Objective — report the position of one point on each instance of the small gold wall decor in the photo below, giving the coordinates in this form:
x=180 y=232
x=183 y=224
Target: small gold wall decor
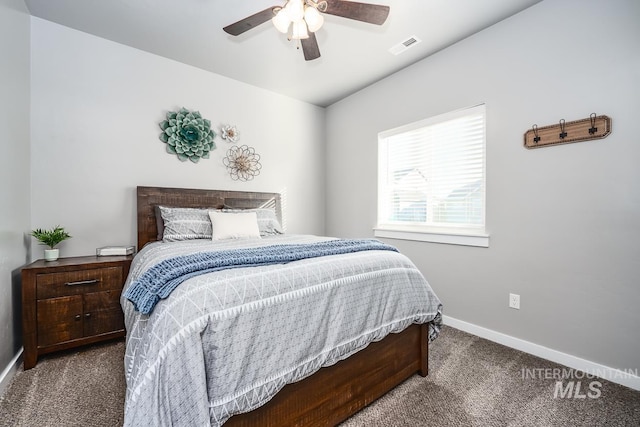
x=242 y=162
x=593 y=127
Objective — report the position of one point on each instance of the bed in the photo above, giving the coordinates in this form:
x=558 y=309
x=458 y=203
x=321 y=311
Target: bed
x=203 y=354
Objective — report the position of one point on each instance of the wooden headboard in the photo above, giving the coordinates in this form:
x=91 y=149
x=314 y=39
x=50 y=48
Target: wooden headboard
x=150 y=197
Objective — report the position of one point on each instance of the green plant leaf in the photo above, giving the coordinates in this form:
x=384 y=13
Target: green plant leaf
x=50 y=237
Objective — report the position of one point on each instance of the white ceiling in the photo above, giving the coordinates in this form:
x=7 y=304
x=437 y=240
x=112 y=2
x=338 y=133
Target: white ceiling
x=354 y=54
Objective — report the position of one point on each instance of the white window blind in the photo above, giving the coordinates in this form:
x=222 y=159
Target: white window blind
x=432 y=174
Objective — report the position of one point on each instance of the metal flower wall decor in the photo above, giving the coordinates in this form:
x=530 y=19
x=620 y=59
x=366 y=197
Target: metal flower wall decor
x=243 y=163
x=230 y=133
x=187 y=135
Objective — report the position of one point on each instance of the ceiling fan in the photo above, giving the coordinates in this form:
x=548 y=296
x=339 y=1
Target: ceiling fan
x=304 y=18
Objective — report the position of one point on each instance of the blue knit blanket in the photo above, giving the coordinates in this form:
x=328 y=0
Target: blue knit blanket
x=160 y=280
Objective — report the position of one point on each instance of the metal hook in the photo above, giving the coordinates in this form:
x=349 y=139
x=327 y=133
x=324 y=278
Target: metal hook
x=563 y=134
x=593 y=129
x=535 y=132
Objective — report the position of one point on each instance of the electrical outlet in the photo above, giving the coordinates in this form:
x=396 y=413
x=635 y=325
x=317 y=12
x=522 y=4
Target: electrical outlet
x=514 y=301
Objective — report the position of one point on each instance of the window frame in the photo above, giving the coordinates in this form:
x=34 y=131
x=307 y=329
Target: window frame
x=449 y=234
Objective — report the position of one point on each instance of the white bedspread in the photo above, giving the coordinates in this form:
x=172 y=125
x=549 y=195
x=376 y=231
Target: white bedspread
x=226 y=342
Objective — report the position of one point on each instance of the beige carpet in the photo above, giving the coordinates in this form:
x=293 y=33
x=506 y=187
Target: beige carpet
x=472 y=382
x=84 y=387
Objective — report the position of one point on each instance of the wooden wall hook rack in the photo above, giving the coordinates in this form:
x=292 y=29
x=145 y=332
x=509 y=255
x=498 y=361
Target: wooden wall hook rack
x=593 y=127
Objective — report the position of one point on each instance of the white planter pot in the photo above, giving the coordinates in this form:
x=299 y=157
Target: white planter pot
x=51 y=254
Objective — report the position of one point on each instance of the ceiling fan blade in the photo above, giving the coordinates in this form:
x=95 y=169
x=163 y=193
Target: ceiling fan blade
x=310 y=47
x=249 y=22
x=365 y=12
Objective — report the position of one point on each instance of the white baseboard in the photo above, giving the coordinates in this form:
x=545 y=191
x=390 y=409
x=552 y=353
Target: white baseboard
x=627 y=379
x=7 y=375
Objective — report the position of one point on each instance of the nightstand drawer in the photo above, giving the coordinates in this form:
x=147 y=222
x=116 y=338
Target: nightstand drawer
x=103 y=321
x=51 y=285
x=102 y=312
x=59 y=319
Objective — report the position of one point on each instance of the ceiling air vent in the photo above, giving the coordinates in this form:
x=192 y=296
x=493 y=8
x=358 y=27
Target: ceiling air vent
x=403 y=46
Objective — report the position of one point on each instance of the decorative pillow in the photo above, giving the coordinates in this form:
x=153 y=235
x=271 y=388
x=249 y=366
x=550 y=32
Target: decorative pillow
x=268 y=223
x=236 y=225
x=185 y=224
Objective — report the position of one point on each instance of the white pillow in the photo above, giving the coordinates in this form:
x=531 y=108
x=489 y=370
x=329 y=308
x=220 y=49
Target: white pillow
x=240 y=225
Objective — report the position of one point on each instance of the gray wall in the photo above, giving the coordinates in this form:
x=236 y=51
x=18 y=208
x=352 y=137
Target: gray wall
x=14 y=170
x=96 y=106
x=563 y=220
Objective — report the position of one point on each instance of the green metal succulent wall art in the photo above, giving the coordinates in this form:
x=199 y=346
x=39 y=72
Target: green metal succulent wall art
x=187 y=135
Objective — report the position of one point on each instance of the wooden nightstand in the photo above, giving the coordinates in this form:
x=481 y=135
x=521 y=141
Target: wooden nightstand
x=71 y=302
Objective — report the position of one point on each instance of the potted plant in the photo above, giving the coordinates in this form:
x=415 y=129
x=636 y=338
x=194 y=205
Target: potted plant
x=50 y=238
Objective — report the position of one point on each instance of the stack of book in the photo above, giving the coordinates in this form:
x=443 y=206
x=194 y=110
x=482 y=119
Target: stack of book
x=115 y=250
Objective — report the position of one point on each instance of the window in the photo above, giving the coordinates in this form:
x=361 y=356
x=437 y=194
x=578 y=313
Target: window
x=431 y=179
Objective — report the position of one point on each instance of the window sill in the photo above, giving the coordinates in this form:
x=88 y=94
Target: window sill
x=461 y=238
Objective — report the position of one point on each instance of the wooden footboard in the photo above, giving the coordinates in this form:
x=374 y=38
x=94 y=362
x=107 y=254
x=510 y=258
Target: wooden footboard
x=333 y=394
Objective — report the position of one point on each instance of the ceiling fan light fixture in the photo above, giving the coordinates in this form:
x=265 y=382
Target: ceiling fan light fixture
x=295 y=10
x=299 y=31
x=306 y=17
x=281 y=21
x=313 y=18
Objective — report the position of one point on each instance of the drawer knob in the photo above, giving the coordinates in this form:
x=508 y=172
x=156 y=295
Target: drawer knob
x=78 y=317
x=87 y=315
x=83 y=282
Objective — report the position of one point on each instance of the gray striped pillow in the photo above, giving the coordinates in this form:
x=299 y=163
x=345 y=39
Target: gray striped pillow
x=185 y=224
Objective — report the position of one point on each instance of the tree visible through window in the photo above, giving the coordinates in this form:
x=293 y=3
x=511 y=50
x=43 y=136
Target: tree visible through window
x=432 y=174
